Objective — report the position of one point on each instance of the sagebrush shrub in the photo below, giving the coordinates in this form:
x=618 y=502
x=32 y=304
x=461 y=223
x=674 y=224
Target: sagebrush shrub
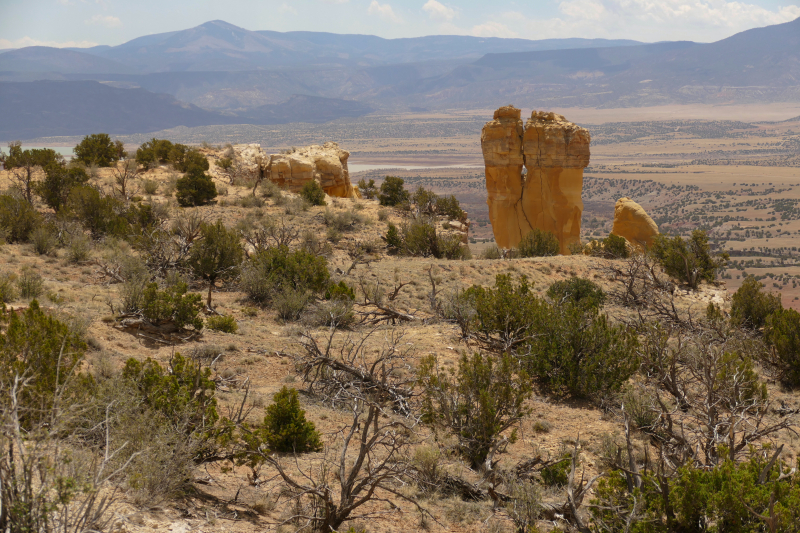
x=44 y=240
x=286 y=429
x=8 y=289
x=290 y=302
x=538 y=243
x=223 y=323
x=30 y=283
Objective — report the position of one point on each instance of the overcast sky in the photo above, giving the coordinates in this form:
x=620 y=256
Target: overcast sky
x=90 y=22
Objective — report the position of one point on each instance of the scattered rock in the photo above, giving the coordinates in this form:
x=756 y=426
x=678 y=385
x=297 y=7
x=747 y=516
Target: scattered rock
x=632 y=222
x=325 y=163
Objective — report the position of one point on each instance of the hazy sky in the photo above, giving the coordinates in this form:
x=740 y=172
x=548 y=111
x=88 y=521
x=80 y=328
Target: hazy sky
x=90 y=22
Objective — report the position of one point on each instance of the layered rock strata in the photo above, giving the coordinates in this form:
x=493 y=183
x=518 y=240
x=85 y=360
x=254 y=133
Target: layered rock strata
x=547 y=195
x=327 y=164
x=632 y=222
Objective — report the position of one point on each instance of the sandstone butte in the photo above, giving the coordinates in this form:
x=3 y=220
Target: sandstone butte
x=326 y=164
x=547 y=195
x=632 y=222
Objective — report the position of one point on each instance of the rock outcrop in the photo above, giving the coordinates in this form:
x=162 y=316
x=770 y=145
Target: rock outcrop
x=547 y=196
x=326 y=164
x=632 y=222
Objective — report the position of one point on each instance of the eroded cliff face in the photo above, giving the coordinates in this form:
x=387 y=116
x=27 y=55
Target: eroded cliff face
x=632 y=222
x=547 y=196
x=325 y=163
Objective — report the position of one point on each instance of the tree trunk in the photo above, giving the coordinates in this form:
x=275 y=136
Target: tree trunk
x=210 y=286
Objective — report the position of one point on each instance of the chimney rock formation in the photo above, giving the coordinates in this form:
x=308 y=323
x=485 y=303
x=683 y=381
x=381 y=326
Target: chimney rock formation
x=547 y=196
x=632 y=222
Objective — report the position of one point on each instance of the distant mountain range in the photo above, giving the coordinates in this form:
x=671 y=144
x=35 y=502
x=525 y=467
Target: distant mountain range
x=219 y=46
x=218 y=73
x=62 y=108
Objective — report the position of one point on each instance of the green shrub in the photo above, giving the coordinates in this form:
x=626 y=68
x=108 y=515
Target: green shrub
x=750 y=307
x=100 y=214
x=691 y=261
x=340 y=291
x=97 y=149
x=183 y=393
x=313 y=193
x=195 y=188
x=394 y=241
x=223 y=323
x=173 y=304
x=184 y=158
x=58 y=182
x=577 y=291
x=424 y=200
x=557 y=474
x=277 y=267
x=43 y=350
x=782 y=334
x=449 y=206
x=567 y=348
x=217 y=255
x=286 y=429
x=225 y=163
x=17 y=217
x=613 y=247
x=729 y=497
x=368 y=190
x=393 y=192
x=483 y=399
x=24 y=165
x=30 y=283
x=153 y=152
x=581 y=353
x=538 y=243
x=420 y=238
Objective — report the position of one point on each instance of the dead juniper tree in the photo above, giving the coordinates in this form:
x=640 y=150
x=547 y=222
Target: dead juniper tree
x=362 y=478
x=124 y=173
x=640 y=284
x=378 y=306
x=705 y=395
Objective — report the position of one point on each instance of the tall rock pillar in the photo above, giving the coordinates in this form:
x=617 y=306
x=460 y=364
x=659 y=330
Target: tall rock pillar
x=501 y=142
x=554 y=153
